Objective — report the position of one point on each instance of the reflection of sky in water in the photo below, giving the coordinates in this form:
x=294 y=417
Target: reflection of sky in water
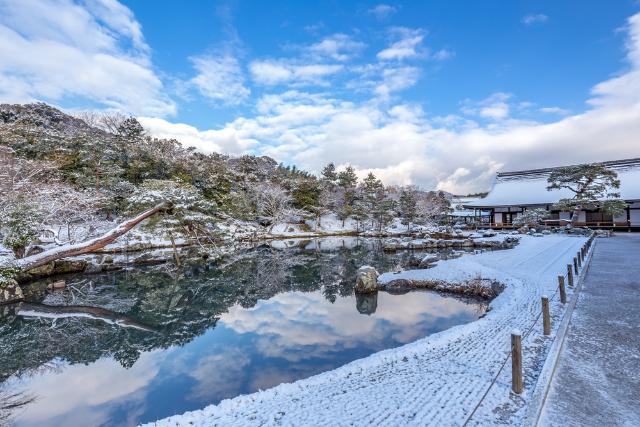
x=290 y=336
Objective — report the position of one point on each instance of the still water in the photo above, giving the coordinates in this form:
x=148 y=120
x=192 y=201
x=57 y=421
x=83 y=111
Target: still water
x=161 y=342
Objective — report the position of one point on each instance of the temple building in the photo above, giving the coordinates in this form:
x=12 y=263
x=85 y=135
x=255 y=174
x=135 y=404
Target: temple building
x=515 y=192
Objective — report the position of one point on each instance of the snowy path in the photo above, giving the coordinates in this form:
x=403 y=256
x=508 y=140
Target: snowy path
x=597 y=381
x=438 y=380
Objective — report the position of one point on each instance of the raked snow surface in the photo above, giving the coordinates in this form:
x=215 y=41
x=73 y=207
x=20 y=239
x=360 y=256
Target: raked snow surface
x=456 y=377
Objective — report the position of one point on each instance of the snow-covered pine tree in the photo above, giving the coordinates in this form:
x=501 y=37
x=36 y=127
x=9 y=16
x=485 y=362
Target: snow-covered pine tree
x=372 y=192
x=329 y=173
x=408 y=206
x=592 y=186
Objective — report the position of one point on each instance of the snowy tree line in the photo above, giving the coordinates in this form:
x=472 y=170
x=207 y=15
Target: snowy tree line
x=65 y=179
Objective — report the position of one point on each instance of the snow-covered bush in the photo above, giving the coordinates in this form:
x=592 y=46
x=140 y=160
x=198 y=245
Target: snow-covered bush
x=20 y=227
x=531 y=217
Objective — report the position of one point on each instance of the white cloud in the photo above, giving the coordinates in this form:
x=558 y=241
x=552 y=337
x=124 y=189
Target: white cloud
x=55 y=49
x=339 y=47
x=534 y=18
x=494 y=107
x=396 y=79
x=220 y=79
x=554 y=110
x=408 y=45
x=457 y=153
x=209 y=141
x=382 y=11
x=271 y=72
x=443 y=55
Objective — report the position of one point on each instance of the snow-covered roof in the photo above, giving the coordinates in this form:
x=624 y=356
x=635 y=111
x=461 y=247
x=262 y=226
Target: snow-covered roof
x=530 y=187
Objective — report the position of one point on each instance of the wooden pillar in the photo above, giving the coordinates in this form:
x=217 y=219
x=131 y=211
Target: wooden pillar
x=570 y=274
x=575 y=265
x=546 y=316
x=579 y=258
x=516 y=362
x=563 y=292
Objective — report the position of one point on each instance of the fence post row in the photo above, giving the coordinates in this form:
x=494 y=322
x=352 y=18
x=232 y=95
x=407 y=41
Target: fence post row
x=517 y=384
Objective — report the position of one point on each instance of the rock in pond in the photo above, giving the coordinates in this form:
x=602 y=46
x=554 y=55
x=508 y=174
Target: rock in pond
x=366 y=280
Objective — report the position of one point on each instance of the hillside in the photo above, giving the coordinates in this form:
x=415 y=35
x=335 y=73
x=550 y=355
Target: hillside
x=66 y=179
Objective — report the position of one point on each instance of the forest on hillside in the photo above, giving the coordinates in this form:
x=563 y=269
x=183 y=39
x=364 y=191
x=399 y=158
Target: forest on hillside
x=67 y=178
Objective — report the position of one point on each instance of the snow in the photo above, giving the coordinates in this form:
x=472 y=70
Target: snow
x=437 y=380
x=331 y=225
x=532 y=190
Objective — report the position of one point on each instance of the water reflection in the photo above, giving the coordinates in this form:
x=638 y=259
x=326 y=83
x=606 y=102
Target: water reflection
x=212 y=332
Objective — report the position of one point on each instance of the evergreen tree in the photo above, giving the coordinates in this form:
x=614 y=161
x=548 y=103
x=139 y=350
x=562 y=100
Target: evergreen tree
x=131 y=131
x=360 y=214
x=20 y=227
x=347 y=178
x=591 y=186
x=384 y=212
x=347 y=182
x=306 y=195
x=372 y=192
x=329 y=173
x=408 y=206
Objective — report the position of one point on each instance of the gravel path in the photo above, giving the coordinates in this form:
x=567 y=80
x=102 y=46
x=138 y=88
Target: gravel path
x=597 y=381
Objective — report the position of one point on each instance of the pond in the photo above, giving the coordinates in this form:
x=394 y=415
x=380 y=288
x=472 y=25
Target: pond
x=160 y=343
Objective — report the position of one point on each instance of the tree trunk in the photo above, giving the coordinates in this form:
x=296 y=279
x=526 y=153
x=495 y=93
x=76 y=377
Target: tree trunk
x=90 y=245
x=48 y=311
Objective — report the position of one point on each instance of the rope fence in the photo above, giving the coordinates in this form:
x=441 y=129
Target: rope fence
x=515 y=354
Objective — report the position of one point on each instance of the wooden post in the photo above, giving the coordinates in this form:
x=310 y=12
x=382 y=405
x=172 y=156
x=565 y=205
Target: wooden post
x=579 y=258
x=570 y=274
x=575 y=264
x=563 y=292
x=546 y=317
x=516 y=362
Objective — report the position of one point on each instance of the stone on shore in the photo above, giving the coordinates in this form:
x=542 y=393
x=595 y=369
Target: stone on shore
x=366 y=280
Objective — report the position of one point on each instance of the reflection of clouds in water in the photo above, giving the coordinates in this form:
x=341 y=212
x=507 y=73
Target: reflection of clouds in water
x=73 y=393
x=293 y=320
x=217 y=375
x=267 y=378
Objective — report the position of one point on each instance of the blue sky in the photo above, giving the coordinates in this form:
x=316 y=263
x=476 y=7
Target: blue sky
x=441 y=94
x=553 y=60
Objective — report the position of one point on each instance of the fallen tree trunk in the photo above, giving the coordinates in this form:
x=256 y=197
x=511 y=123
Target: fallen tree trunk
x=97 y=313
x=89 y=246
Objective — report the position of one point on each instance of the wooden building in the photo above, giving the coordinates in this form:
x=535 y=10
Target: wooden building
x=515 y=192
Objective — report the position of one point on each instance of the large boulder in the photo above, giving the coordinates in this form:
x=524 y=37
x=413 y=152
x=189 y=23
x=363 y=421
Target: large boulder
x=366 y=280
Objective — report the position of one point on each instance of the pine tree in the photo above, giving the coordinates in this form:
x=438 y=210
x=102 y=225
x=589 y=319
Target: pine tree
x=591 y=185
x=360 y=214
x=131 y=131
x=329 y=173
x=408 y=206
x=20 y=227
x=372 y=192
x=347 y=178
x=384 y=212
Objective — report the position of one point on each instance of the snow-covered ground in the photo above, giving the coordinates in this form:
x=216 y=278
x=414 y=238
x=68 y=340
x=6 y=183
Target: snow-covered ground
x=330 y=224
x=439 y=380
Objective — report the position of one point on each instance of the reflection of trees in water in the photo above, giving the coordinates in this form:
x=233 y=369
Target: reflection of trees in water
x=10 y=403
x=179 y=306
